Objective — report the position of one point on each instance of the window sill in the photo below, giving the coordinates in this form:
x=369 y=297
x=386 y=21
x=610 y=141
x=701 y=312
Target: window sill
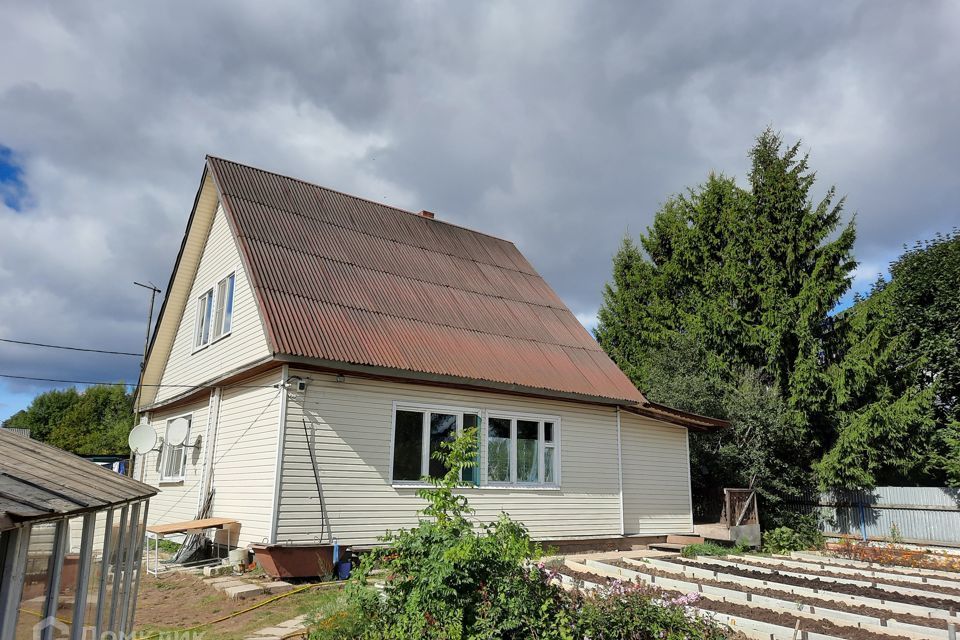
x=486 y=487
x=171 y=482
x=219 y=338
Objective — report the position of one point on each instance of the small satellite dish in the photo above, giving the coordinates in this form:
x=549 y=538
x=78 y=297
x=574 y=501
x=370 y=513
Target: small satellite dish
x=177 y=431
x=142 y=439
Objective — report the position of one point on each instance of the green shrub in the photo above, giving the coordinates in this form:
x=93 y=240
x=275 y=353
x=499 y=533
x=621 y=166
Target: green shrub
x=704 y=549
x=635 y=610
x=714 y=549
x=782 y=540
x=804 y=534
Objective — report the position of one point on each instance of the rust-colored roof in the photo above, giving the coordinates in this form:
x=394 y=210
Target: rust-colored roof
x=348 y=280
x=683 y=418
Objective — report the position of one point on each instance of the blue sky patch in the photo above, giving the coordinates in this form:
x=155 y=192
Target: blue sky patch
x=13 y=190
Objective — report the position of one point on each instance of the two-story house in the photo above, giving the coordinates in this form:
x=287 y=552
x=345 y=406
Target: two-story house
x=320 y=346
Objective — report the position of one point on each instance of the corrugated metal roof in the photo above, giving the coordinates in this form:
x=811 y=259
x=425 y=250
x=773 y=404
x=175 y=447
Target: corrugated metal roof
x=348 y=280
x=40 y=482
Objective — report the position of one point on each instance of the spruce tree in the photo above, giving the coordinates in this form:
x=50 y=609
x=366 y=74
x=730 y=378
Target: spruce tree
x=749 y=275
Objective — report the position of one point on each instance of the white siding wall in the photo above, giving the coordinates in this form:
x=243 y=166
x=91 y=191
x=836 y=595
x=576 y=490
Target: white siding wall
x=177 y=501
x=656 y=481
x=245 y=457
x=246 y=342
x=350 y=425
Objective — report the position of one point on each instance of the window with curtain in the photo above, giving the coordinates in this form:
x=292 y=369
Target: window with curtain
x=522 y=451
x=173 y=459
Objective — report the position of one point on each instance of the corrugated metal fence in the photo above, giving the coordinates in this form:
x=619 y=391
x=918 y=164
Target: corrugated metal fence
x=909 y=514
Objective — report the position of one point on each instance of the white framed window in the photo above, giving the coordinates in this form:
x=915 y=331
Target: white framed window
x=223 y=318
x=215 y=312
x=173 y=460
x=418 y=431
x=204 y=311
x=522 y=450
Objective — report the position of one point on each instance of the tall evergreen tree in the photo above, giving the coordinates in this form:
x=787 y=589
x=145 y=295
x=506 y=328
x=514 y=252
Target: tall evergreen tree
x=750 y=275
x=896 y=376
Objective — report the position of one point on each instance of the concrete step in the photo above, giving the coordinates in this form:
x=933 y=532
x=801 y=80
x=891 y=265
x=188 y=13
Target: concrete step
x=243 y=591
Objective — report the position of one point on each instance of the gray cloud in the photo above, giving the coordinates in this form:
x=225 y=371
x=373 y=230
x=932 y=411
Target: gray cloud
x=561 y=126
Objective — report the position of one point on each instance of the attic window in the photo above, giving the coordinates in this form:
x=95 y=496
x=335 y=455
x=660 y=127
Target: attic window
x=224 y=316
x=215 y=313
x=204 y=310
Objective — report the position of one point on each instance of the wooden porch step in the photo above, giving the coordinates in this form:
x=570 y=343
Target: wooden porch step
x=684 y=539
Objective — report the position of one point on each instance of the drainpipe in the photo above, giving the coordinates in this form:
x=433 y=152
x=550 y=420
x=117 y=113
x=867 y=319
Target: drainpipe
x=623 y=530
x=278 y=461
x=209 y=444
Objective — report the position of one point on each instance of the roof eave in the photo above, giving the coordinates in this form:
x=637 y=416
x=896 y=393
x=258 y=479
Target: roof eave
x=686 y=419
x=334 y=366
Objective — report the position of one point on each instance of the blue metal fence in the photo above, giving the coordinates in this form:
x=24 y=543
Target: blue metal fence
x=922 y=515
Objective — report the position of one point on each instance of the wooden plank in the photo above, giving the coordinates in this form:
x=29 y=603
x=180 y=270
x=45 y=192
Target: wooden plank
x=30 y=498
x=64 y=471
x=57 y=459
x=190 y=525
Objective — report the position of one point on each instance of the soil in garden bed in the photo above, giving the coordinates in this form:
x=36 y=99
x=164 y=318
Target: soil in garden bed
x=817 y=625
x=584 y=577
x=861 y=609
x=898 y=569
x=899 y=557
x=889 y=581
x=816 y=583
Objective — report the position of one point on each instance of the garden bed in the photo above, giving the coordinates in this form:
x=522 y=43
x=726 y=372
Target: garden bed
x=744 y=611
x=822 y=585
x=826 y=573
x=897 y=556
x=863 y=610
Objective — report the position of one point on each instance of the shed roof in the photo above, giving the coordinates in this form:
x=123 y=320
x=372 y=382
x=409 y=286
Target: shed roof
x=345 y=280
x=40 y=482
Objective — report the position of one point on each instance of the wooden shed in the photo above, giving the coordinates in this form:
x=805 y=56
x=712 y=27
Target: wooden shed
x=47 y=590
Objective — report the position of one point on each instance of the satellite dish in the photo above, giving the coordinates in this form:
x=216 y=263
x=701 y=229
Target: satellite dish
x=142 y=439
x=177 y=431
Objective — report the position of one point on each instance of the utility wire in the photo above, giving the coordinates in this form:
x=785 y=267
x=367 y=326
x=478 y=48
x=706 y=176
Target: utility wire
x=57 y=346
x=132 y=384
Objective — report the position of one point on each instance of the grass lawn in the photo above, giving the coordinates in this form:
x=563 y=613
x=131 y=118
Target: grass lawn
x=177 y=602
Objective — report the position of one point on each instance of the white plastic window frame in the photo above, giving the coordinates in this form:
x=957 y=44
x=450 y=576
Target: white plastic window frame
x=220 y=313
x=167 y=448
x=215 y=331
x=426 y=410
x=202 y=324
x=513 y=416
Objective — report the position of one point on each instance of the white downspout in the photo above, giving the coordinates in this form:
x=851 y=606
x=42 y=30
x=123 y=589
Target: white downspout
x=278 y=463
x=210 y=444
x=623 y=529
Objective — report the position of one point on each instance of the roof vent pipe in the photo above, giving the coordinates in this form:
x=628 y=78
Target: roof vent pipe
x=426 y=214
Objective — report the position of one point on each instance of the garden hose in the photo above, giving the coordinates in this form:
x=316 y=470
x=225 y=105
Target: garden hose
x=235 y=613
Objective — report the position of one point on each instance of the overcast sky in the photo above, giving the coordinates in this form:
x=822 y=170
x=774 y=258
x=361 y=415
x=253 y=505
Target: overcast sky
x=559 y=125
